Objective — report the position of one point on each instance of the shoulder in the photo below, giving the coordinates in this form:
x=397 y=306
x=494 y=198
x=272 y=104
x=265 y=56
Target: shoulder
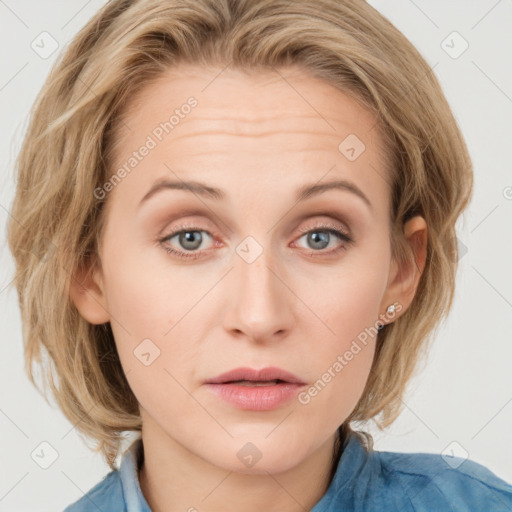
x=436 y=482
x=105 y=495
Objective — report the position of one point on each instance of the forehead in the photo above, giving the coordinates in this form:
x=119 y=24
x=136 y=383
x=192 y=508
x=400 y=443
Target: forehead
x=262 y=125
x=249 y=101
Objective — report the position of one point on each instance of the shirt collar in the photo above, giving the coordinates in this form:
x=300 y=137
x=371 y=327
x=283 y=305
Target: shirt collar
x=135 y=501
x=355 y=464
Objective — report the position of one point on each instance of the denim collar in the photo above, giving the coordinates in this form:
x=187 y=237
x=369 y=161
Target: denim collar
x=134 y=499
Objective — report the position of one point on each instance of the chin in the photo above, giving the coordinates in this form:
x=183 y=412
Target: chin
x=260 y=456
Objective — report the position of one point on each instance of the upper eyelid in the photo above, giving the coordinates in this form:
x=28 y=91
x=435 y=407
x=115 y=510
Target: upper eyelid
x=318 y=219
x=326 y=224
x=344 y=219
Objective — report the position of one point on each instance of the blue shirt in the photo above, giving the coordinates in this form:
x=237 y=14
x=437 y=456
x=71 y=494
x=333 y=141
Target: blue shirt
x=375 y=481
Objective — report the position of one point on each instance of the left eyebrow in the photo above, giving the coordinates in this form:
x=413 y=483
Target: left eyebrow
x=319 y=188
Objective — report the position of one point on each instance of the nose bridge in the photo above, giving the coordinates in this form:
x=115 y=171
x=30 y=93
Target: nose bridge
x=261 y=305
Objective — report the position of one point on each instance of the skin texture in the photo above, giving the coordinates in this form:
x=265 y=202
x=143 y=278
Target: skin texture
x=297 y=306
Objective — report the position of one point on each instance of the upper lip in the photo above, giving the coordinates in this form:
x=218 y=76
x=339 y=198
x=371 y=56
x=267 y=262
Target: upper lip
x=269 y=373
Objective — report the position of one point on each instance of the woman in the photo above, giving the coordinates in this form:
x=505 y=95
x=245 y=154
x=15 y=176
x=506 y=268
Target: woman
x=245 y=214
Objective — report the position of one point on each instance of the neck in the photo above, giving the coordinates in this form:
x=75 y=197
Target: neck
x=172 y=478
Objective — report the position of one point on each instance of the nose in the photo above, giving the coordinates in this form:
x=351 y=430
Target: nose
x=261 y=303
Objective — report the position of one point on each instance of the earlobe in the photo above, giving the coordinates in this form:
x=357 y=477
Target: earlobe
x=87 y=293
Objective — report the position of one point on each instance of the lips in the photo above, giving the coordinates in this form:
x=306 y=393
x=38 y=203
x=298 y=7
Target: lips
x=255 y=390
x=249 y=376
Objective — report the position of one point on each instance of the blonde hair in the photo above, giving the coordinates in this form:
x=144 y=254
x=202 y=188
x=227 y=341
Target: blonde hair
x=56 y=219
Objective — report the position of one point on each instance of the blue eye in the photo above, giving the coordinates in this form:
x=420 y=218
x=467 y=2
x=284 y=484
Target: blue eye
x=319 y=238
x=190 y=240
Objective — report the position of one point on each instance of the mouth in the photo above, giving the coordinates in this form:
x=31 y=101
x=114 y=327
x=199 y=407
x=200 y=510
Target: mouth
x=255 y=390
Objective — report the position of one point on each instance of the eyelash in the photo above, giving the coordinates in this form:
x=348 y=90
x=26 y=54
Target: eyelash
x=326 y=228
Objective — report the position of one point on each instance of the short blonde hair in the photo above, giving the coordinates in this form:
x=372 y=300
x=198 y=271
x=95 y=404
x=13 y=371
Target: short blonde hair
x=56 y=219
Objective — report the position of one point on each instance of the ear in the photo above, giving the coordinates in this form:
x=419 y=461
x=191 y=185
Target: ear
x=86 y=290
x=404 y=278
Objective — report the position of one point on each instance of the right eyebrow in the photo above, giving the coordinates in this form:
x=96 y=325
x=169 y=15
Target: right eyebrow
x=192 y=186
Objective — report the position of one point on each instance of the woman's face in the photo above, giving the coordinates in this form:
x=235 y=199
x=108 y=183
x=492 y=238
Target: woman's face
x=263 y=275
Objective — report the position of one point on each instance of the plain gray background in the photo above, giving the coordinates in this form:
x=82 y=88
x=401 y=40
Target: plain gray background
x=460 y=403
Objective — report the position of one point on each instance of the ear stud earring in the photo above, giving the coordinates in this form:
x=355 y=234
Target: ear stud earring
x=391 y=309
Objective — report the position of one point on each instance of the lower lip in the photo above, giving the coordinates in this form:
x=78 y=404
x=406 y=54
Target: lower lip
x=256 y=398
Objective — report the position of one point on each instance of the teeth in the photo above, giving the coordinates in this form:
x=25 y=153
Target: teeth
x=255 y=382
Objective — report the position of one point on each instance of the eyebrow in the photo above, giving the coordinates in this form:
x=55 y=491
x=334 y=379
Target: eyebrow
x=207 y=191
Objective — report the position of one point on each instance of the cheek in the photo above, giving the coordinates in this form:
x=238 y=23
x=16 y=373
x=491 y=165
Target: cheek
x=349 y=299
x=342 y=361
x=347 y=310
x=154 y=311
x=145 y=296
